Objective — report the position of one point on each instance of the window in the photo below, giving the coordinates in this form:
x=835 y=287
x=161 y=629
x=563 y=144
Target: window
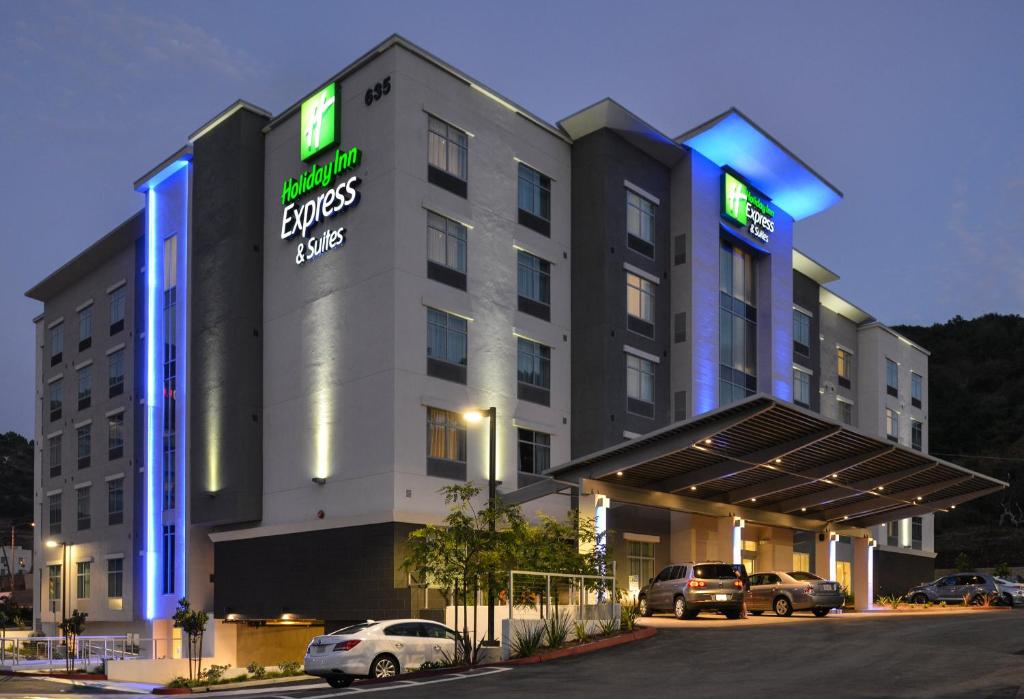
x=639 y=304
x=737 y=325
x=56 y=344
x=56 y=399
x=55 y=513
x=641 y=562
x=168 y=559
x=115 y=371
x=916 y=389
x=446 y=444
x=447 y=156
x=55 y=443
x=446 y=250
x=115 y=436
x=117 y=311
x=115 y=577
x=83 y=585
x=892 y=425
x=892 y=533
x=844 y=367
x=56 y=585
x=115 y=501
x=915 y=434
x=534 y=285
x=534 y=200
x=916 y=532
x=892 y=377
x=534 y=371
x=639 y=385
x=801 y=561
x=534 y=451
x=83 y=438
x=84 y=387
x=447 y=339
x=84 y=507
x=845 y=412
x=639 y=223
x=801 y=387
x=170 y=372
x=801 y=333
x=85 y=328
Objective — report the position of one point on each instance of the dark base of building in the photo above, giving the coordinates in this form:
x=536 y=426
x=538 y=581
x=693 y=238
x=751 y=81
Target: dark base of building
x=896 y=573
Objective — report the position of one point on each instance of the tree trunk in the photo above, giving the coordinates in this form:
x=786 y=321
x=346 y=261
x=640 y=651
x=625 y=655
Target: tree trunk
x=199 y=654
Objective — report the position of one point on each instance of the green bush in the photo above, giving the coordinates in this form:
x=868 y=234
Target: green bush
x=214 y=674
x=179 y=682
x=581 y=632
x=556 y=629
x=527 y=640
x=257 y=671
x=609 y=626
x=289 y=668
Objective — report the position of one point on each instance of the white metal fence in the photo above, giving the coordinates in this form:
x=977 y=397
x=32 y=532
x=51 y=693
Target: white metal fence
x=48 y=650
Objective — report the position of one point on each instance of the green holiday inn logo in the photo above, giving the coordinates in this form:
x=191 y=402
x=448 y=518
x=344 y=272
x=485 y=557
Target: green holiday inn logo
x=318 y=122
x=734 y=199
x=742 y=205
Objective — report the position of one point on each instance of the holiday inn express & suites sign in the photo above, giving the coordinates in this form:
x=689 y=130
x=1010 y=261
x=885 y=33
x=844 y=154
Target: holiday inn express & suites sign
x=745 y=207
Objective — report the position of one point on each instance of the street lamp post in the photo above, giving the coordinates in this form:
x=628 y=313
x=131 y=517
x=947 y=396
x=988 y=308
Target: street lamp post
x=492 y=496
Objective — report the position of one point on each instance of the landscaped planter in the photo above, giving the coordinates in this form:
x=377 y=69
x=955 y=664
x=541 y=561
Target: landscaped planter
x=583 y=648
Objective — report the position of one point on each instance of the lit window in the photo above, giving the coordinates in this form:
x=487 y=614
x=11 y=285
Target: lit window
x=447 y=148
x=844 y=366
x=446 y=435
x=639 y=297
x=55 y=583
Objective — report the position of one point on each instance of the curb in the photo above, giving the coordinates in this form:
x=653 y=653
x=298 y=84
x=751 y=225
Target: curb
x=637 y=635
x=55 y=675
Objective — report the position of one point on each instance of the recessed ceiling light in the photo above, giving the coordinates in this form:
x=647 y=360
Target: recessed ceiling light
x=803 y=509
x=707 y=441
x=835 y=475
x=881 y=487
x=778 y=461
x=619 y=474
x=753 y=499
x=693 y=487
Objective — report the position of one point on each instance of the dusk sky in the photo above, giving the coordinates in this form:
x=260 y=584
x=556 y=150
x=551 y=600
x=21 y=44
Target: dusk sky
x=914 y=110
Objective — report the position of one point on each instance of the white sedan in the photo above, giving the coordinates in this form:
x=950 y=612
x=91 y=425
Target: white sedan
x=378 y=649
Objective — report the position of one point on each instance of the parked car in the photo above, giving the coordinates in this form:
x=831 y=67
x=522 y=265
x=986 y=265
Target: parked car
x=785 y=593
x=1012 y=593
x=378 y=649
x=687 y=589
x=959 y=587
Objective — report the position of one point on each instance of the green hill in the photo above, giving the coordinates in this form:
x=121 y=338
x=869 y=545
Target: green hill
x=976 y=419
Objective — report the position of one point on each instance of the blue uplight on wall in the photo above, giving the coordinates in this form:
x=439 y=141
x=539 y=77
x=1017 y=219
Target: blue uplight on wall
x=732 y=140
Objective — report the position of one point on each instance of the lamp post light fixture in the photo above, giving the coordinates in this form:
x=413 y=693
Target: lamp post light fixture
x=472 y=417
x=52 y=544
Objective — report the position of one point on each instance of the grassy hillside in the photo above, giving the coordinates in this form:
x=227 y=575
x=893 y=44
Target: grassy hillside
x=976 y=419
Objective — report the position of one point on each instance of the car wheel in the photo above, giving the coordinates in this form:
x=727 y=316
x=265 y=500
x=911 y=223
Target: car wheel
x=1008 y=600
x=976 y=601
x=919 y=598
x=820 y=612
x=732 y=614
x=679 y=607
x=384 y=666
x=782 y=607
x=339 y=682
x=757 y=613
x=644 y=609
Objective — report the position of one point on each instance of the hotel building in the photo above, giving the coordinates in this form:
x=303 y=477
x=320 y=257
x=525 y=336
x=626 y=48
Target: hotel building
x=251 y=391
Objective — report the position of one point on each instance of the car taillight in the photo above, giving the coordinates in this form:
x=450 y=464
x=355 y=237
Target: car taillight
x=738 y=584
x=696 y=583
x=808 y=590
x=346 y=645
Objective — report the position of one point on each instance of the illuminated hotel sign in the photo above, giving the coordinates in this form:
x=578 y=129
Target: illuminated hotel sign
x=743 y=206
x=318 y=130
x=318 y=122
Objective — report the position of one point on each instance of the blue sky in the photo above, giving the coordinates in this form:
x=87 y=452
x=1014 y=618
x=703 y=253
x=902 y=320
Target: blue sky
x=915 y=110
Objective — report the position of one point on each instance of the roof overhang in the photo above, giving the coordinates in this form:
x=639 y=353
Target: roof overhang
x=772 y=462
x=837 y=304
x=813 y=269
x=609 y=114
x=731 y=139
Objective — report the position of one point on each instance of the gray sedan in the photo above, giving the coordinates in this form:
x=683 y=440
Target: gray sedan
x=961 y=587
x=785 y=593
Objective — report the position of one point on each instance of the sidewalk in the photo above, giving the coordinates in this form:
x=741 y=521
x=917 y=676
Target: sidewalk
x=106 y=685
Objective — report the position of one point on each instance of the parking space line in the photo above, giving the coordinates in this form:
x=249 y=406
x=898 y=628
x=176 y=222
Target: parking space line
x=403 y=684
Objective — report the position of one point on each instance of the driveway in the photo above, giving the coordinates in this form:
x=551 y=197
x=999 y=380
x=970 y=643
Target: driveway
x=949 y=654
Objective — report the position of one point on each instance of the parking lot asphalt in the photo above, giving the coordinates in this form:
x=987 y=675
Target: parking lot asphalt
x=971 y=654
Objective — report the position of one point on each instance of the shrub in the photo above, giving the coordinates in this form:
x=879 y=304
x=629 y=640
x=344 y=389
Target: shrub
x=213 y=674
x=289 y=668
x=556 y=629
x=257 y=671
x=630 y=612
x=527 y=640
x=609 y=626
x=179 y=682
x=962 y=562
x=580 y=630
x=1003 y=570
x=892 y=601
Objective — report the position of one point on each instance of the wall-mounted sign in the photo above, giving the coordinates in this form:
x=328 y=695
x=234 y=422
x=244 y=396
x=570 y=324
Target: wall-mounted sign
x=743 y=206
x=318 y=122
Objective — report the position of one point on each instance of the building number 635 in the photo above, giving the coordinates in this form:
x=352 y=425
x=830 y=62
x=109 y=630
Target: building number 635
x=377 y=91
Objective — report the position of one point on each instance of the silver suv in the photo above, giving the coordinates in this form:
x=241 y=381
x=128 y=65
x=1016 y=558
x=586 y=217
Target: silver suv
x=687 y=589
x=959 y=587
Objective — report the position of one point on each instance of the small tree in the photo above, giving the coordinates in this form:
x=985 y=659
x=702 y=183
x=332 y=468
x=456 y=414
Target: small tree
x=72 y=628
x=192 y=623
x=962 y=562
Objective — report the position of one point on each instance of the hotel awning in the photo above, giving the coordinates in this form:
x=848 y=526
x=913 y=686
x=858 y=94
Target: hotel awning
x=771 y=456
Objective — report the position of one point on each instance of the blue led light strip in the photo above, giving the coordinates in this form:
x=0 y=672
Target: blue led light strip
x=151 y=319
